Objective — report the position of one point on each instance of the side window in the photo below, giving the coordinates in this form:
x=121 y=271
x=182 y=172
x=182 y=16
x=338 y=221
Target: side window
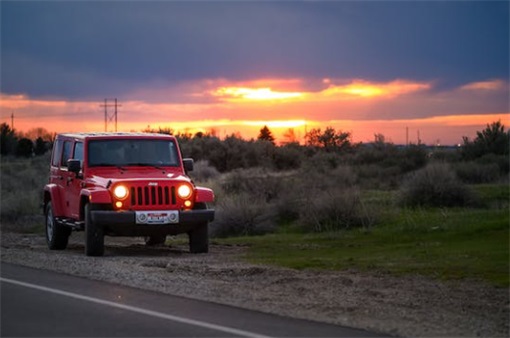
x=57 y=149
x=78 y=151
x=66 y=153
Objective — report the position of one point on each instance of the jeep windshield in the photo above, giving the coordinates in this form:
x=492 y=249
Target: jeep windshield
x=132 y=152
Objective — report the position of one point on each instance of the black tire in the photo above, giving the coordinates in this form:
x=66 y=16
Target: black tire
x=199 y=239
x=94 y=236
x=57 y=235
x=155 y=240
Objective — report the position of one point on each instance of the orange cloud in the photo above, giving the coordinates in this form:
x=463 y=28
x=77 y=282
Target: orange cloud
x=365 y=89
x=485 y=85
x=357 y=105
x=356 y=89
x=235 y=94
x=23 y=101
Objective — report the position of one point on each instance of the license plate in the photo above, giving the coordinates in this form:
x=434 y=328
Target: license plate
x=157 y=217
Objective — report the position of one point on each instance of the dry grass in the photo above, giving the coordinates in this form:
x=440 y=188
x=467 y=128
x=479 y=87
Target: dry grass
x=22 y=182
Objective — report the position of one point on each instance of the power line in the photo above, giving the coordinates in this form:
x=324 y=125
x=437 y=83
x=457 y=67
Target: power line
x=109 y=117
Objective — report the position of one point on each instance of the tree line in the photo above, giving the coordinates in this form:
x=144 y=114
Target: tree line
x=328 y=145
x=35 y=142
x=333 y=147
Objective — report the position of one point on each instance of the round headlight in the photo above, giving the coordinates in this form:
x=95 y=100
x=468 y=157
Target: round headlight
x=120 y=192
x=184 y=191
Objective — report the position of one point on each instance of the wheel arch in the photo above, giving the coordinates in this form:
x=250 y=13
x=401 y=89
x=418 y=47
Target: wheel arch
x=52 y=194
x=99 y=197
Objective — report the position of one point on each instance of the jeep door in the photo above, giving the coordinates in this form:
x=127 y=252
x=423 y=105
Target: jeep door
x=70 y=185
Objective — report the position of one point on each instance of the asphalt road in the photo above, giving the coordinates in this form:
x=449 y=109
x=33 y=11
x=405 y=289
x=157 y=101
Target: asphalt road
x=43 y=303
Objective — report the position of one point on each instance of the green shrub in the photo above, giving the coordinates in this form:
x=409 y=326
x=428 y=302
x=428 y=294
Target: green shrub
x=502 y=161
x=444 y=154
x=287 y=157
x=380 y=153
x=17 y=204
x=203 y=172
x=287 y=208
x=255 y=182
x=322 y=162
x=22 y=181
x=413 y=158
x=343 y=176
x=242 y=215
x=335 y=209
x=373 y=176
x=435 y=185
x=473 y=172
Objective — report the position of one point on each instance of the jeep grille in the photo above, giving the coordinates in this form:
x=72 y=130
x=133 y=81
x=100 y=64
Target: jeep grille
x=153 y=196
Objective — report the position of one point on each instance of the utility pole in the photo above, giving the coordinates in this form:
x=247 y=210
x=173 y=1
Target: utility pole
x=12 y=121
x=108 y=117
x=407 y=136
x=115 y=114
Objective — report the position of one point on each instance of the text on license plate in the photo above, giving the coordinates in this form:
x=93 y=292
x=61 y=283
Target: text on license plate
x=157 y=217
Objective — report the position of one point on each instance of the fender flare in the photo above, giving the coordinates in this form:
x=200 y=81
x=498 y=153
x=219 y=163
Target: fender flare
x=52 y=194
x=97 y=195
x=204 y=195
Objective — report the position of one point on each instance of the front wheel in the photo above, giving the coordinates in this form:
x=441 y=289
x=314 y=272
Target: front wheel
x=57 y=235
x=94 y=236
x=199 y=239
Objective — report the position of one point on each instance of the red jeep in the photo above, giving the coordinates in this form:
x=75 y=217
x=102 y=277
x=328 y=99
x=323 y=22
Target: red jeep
x=123 y=184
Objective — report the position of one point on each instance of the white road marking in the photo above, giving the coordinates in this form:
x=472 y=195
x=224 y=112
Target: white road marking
x=137 y=309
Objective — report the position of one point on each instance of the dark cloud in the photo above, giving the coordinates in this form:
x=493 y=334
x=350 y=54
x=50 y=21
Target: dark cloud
x=90 y=49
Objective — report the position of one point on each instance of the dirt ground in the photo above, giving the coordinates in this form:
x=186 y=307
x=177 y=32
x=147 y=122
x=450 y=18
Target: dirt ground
x=407 y=306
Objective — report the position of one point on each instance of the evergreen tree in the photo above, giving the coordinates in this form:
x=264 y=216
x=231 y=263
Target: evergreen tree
x=266 y=135
x=492 y=140
x=40 y=146
x=8 y=139
x=25 y=147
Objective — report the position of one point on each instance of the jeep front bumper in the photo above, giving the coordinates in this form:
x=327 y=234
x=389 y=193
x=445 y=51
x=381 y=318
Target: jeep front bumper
x=126 y=223
x=128 y=218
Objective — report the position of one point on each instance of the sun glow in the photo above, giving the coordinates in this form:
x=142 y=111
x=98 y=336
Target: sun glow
x=364 y=89
x=222 y=108
x=276 y=124
x=255 y=94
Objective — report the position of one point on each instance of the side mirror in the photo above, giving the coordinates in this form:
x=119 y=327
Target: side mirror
x=74 y=166
x=188 y=164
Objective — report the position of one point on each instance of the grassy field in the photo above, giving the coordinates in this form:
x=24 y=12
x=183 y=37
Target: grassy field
x=442 y=243
x=445 y=243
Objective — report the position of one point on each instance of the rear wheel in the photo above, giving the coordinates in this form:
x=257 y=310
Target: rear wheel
x=94 y=236
x=57 y=235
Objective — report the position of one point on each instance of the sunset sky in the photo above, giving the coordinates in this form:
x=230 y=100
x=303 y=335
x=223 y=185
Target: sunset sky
x=438 y=68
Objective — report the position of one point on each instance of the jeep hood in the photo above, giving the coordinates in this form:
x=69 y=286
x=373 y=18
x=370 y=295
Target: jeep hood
x=108 y=177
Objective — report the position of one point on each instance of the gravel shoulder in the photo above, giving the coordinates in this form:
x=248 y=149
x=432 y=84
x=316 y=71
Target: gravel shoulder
x=405 y=306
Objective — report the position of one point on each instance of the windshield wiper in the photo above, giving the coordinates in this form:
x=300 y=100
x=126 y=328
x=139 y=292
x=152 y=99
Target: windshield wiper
x=145 y=165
